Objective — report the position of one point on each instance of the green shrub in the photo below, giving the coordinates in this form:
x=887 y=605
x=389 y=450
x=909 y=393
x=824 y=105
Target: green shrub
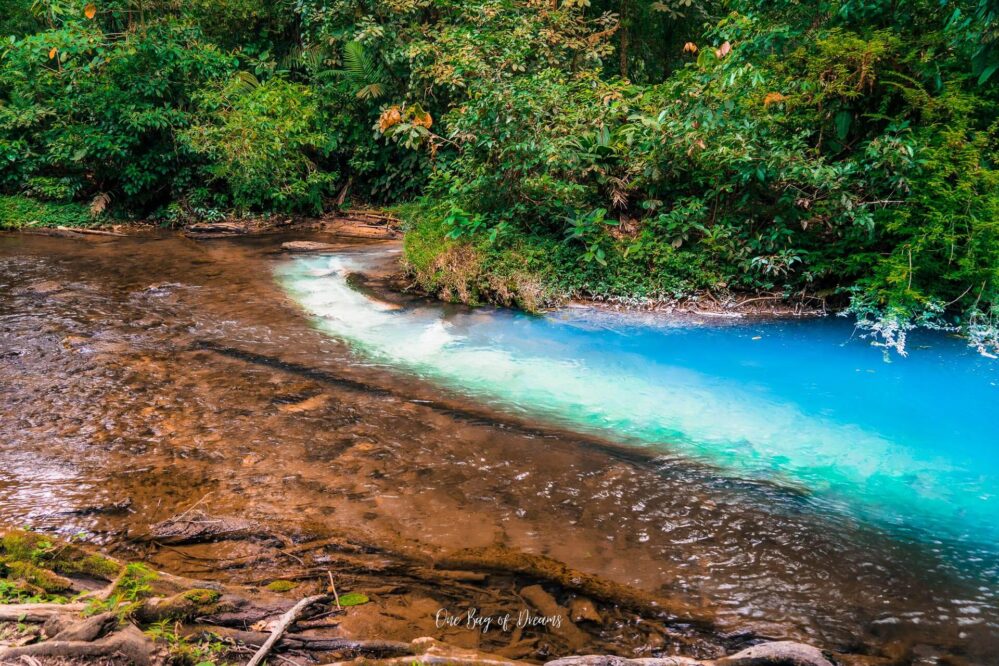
x=99 y=113
x=262 y=141
x=847 y=151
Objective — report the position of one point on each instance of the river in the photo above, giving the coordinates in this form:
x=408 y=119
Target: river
x=786 y=475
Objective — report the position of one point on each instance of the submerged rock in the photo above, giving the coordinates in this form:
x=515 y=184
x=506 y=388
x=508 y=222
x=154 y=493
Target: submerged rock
x=198 y=527
x=427 y=651
x=554 y=617
x=582 y=609
x=309 y=404
x=779 y=653
x=307 y=246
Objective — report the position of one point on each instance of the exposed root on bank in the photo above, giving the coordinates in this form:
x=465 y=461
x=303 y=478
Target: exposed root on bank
x=497 y=558
x=128 y=643
x=302 y=643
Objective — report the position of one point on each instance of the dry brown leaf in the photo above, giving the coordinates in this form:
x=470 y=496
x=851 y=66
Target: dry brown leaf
x=390 y=117
x=772 y=98
x=100 y=203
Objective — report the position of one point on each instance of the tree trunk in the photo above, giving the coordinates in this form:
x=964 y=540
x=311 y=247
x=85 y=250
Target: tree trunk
x=625 y=37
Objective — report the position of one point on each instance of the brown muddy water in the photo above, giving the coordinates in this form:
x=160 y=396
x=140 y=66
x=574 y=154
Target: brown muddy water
x=144 y=378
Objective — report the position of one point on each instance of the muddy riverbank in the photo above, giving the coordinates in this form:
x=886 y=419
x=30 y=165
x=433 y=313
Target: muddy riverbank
x=144 y=376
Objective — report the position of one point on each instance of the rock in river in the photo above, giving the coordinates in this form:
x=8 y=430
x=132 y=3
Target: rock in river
x=307 y=246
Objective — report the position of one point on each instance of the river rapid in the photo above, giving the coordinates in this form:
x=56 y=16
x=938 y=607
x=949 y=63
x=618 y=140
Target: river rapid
x=785 y=476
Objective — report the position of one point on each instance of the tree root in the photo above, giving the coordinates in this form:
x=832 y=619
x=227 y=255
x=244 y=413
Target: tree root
x=89 y=629
x=129 y=644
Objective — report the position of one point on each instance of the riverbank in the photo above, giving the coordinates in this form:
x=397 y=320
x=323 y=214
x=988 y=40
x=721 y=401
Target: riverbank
x=453 y=272
x=24 y=215
x=63 y=600
x=534 y=273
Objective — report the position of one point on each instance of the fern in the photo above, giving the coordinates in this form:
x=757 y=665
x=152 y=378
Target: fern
x=311 y=58
x=367 y=76
x=243 y=83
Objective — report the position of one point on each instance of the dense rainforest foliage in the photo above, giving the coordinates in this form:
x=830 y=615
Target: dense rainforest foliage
x=636 y=149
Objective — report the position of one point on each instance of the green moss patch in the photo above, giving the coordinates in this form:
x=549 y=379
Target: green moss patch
x=281 y=586
x=353 y=599
x=36 y=576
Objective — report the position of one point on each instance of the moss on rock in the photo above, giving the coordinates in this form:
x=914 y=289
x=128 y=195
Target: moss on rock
x=281 y=586
x=45 y=580
x=91 y=565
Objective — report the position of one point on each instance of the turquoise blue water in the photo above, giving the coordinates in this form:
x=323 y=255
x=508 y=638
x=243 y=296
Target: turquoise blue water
x=910 y=444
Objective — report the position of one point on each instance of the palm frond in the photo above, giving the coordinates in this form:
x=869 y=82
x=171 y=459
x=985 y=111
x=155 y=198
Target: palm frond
x=363 y=71
x=310 y=58
x=244 y=82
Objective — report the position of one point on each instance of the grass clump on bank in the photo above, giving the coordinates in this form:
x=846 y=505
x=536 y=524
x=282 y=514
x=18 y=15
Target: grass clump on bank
x=19 y=211
x=533 y=271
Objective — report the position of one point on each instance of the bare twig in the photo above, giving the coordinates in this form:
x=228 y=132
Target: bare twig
x=333 y=587
x=193 y=506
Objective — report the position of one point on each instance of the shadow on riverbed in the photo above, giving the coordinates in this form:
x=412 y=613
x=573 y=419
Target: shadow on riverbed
x=144 y=376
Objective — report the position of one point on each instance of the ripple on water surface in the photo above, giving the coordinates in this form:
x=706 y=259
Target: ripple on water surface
x=907 y=447
x=913 y=443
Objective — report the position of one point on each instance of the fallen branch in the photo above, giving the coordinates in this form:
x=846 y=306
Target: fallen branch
x=363 y=231
x=361 y=212
x=336 y=596
x=739 y=304
x=59 y=233
x=300 y=642
x=37 y=613
x=92 y=232
x=286 y=621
